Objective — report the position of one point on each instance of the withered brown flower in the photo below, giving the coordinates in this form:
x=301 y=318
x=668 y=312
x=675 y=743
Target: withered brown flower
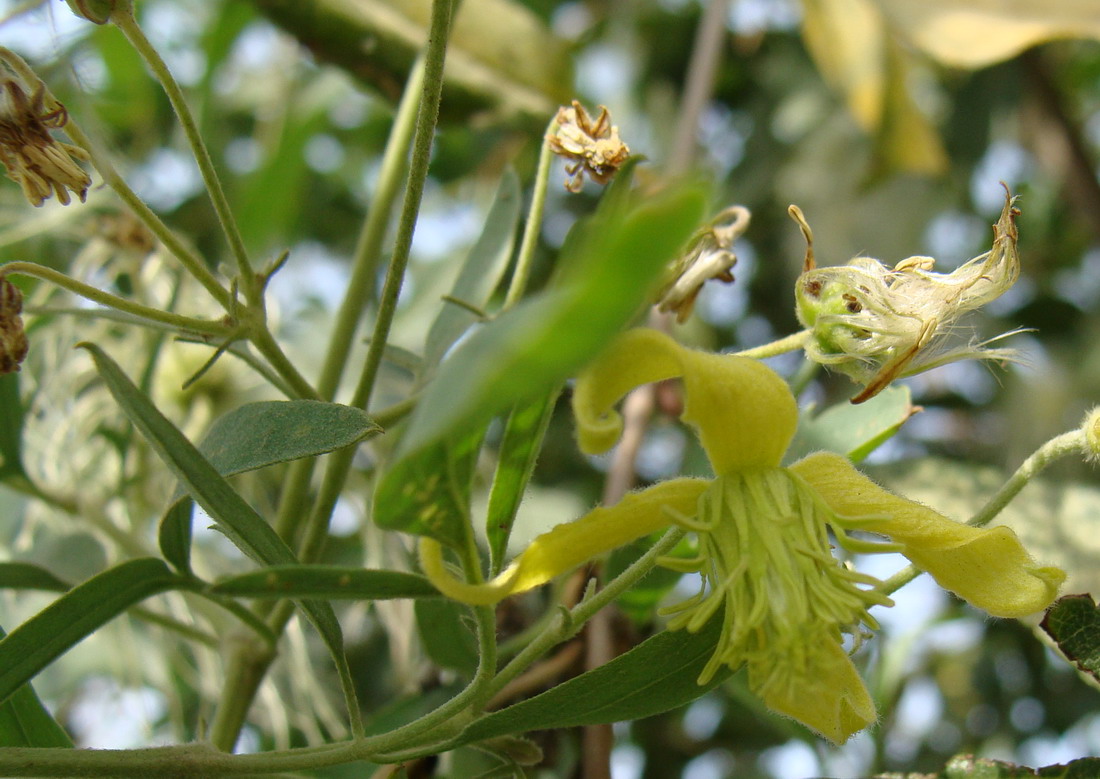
x=708 y=255
x=13 y=341
x=593 y=146
x=34 y=159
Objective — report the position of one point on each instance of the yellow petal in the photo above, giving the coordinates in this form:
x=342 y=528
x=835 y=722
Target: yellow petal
x=835 y=703
x=568 y=545
x=743 y=411
x=988 y=567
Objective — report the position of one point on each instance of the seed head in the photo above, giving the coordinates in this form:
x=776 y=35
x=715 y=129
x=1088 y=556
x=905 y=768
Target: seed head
x=877 y=324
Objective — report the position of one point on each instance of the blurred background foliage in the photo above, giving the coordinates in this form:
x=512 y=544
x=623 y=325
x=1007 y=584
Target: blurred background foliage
x=891 y=137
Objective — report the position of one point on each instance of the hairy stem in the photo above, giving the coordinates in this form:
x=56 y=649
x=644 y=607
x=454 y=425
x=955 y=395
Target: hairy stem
x=124 y=19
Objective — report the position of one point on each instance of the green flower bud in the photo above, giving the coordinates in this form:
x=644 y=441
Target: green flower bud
x=98 y=11
x=1091 y=428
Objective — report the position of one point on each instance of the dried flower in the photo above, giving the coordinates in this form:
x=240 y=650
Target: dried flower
x=877 y=324
x=708 y=256
x=13 y=341
x=764 y=533
x=594 y=147
x=34 y=159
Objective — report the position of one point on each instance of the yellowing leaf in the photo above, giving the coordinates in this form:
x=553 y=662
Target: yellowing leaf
x=976 y=33
x=855 y=50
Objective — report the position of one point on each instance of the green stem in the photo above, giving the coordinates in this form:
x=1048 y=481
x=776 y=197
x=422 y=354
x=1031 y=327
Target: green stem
x=123 y=18
x=571 y=622
x=216 y=329
x=266 y=345
x=245 y=673
x=368 y=248
x=1072 y=442
x=192 y=263
x=786 y=344
x=533 y=227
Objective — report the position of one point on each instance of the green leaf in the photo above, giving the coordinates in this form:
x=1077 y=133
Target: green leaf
x=854 y=430
x=330 y=582
x=257 y=435
x=24 y=721
x=235 y=517
x=519 y=449
x=1074 y=624
x=536 y=345
x=27 y=576
x=657 y=675
x=481 y=273
x=174 y=534
x=277 y=431
x=446 y=633
x=429 y=492
x=11 y=427
x=77 y=614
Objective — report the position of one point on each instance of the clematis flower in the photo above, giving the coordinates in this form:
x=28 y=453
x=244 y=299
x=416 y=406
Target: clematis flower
x=763 y=533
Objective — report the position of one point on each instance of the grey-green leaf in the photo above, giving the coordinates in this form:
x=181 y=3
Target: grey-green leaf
x=519 y=449
x=268 y=432
x=445 y=628
x=330 y=582
x=24 y=721
x=235 y=517
x=480 y=273
x=657 y=675
x=854 y=430
x=76 y=614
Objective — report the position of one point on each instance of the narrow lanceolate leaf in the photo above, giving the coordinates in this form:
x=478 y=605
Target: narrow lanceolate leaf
x=657 y=675
x=24 y=721
x=536 y=345
x=78 y=613
x=174 y=534
x=1074 y=624
x=330 y=582
x=257 y=435
x=519 y=449
x=235 y=517
x=480 y=273
x=27 y=576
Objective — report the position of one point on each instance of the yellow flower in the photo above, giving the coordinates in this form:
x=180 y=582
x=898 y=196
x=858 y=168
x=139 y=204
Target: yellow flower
x=763 y=535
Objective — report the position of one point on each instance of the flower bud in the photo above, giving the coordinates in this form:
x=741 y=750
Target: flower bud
x=97 y=11
x=1091 y=428
x=13 y=341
